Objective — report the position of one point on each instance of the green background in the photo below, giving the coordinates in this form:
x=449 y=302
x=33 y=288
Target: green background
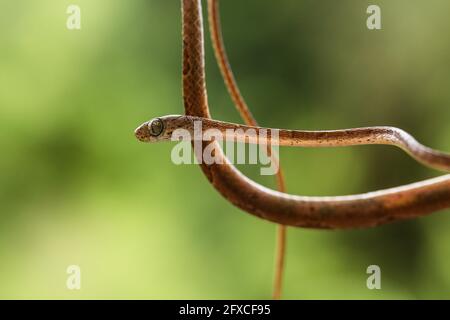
x=76 y=187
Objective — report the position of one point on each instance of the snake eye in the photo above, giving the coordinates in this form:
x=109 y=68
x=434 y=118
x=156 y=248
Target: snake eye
x=156 y=127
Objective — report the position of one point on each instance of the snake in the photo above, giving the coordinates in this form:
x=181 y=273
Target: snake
x=324 y=212
x=163 y=128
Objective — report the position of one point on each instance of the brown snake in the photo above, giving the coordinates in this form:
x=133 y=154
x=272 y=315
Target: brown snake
x=340 y=212
x=161 y=129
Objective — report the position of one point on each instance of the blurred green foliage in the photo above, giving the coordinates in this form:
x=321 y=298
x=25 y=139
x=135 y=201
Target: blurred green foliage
x=77 y=188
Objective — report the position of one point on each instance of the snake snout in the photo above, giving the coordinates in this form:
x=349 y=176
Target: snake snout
x=142 y=132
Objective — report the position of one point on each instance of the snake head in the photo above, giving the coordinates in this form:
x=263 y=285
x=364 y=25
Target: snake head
x=157 y=129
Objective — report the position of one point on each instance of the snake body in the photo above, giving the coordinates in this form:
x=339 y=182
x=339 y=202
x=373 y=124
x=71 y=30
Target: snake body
x=339 y=212
x=161 y=129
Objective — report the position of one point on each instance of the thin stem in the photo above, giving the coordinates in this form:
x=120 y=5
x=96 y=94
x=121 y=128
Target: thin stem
x=280 y=258
x=249 y=119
